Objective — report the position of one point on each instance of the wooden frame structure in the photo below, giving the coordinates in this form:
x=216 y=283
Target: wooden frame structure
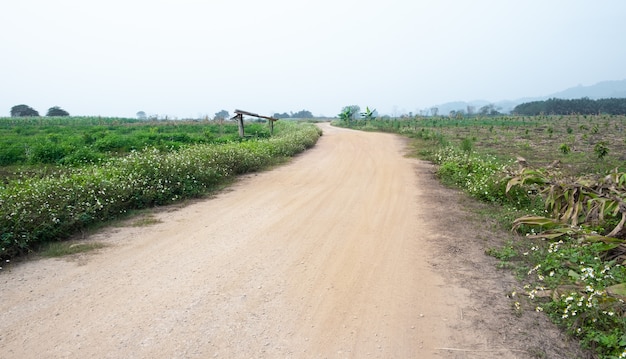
x=239 y=117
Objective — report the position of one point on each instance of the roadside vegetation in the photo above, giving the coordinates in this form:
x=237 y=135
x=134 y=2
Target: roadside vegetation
x=44 y=201
x=559 y=182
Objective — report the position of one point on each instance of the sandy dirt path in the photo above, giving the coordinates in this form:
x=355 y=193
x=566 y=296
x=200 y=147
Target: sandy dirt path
x=334 y=255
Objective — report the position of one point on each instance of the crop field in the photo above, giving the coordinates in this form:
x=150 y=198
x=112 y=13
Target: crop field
x=76 y=141
x=91 y=170
x=583 y=144
x=560 y=183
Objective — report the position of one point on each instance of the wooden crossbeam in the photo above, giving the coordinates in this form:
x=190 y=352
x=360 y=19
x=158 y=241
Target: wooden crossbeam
x=239 y=117
x=241 y=112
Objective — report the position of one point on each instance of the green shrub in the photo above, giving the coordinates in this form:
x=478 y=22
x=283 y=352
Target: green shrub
x=601 y=149
x=483 y=177
x=581 y=283
x=467 y=145
x=46 y=153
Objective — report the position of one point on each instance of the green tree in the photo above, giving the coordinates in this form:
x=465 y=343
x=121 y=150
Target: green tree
x=222 y=115
x=281 y=115
x=23 y=111
x=141 y=115
x=489 y=110
x=302 y=114
x=57 y=111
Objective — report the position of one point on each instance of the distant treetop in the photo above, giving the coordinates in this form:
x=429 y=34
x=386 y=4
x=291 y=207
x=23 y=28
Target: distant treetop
x=582 y=106
x=23 y=111
x=57 y=111
x=299 y=114
x=223 y=114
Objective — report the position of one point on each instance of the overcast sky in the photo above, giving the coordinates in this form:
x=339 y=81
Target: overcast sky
x=190 y=58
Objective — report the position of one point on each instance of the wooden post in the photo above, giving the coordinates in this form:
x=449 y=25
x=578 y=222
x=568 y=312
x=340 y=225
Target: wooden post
x=240 y=124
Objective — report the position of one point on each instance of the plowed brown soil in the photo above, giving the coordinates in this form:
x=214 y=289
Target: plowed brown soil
x=352 y=250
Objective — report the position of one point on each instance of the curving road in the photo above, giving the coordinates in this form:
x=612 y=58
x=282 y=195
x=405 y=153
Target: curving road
x=326 y=257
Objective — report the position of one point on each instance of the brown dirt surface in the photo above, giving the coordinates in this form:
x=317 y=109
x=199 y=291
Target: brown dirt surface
x=352 y=250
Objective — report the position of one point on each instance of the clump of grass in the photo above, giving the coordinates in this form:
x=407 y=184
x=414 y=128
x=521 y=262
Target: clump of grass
x=505 y=254
x=146 y=221
x=61 y=249
x=467 y=145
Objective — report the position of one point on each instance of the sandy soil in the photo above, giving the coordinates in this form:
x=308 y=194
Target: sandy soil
x=352 y=250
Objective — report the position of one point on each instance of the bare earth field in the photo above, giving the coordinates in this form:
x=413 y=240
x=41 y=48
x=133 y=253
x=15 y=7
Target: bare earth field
x=352 y=250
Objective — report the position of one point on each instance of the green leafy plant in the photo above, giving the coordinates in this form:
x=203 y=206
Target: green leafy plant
x=368 y=114
x=467 y=145
x=581 y=292
x=601 y=149
x=346 y=114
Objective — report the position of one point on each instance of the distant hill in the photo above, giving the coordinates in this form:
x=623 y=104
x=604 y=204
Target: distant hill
x=605 y=89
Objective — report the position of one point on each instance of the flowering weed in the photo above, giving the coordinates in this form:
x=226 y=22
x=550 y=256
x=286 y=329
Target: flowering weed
x=38 y=210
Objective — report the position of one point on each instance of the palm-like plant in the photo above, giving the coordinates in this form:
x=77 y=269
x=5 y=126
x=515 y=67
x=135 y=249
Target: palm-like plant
x=346 y=114
x=368 y=114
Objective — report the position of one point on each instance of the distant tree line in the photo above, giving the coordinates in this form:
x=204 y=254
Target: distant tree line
x=26 y=111
x=582 y=106
x=299 y=114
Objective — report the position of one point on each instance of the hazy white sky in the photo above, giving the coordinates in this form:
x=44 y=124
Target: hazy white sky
x=190 y=58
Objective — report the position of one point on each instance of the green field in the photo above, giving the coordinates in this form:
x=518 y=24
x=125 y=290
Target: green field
x=541 y=140
x=81 y=140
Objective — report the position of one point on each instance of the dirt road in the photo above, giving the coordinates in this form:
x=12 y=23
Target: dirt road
x=347 y=252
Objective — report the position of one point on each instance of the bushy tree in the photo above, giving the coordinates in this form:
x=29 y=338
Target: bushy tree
x=489 y=110
x=23 y=111
x=141 y=115
x=281 y=115
x=302 y=114
x=57 y=111
x=223 y=114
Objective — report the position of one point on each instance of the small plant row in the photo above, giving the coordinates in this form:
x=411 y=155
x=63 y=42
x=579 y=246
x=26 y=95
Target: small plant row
x=39 y=210
x=582 y=143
